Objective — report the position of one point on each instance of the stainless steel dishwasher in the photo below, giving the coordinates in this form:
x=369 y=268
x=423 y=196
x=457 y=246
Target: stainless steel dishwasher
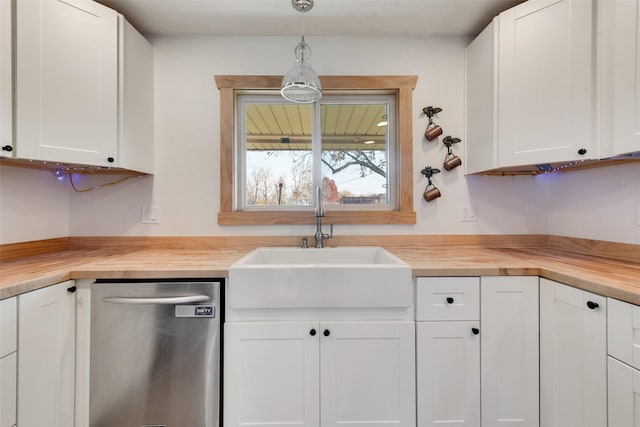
x=155 y=354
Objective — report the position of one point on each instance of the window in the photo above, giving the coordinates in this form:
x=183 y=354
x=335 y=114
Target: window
x=340 y=143
x=355 y=142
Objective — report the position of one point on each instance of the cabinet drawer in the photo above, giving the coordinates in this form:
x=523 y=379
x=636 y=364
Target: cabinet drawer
x=447 y=298
x=8 y=326
x=623 y=334
x=8 y=377
x=623 y=392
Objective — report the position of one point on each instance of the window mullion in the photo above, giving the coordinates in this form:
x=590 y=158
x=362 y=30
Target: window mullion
x=316 y=148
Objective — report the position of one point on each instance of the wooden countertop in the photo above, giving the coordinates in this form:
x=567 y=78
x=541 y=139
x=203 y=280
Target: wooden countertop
x=608 y=277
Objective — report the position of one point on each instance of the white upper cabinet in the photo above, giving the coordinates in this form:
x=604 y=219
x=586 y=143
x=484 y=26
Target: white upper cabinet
x=6 y=80
x=545 y=82
x=135 y=100
x=529 y=90
x=619 y=65
x=481 y=99
x=66 y=81
x=83 y=86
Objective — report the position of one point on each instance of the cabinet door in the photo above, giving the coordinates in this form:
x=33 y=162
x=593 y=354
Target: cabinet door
x=623 y=394
x=66 y=81
x=46 y=357
x=545 y=87
x=573 y=357
x=8 y=390
x=271 y=373
x=620 y=79
x=623 y=332
x=509 y=351
x=367 y=374
x=448 y=373
x=8 y=326
x=6 y=79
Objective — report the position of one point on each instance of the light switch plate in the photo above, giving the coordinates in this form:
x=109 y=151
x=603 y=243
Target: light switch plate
x=151 y=214
x=638 y=214
x=468 y=213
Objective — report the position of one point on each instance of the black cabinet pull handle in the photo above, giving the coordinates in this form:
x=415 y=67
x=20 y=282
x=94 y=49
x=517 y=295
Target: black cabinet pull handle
x=72 y=289
x=7 y=148
x=110 y=159
x=592 y=305
x=582 y=151
x=326 y=333
x=475 y=331
x=312 y=332
x=450 y=300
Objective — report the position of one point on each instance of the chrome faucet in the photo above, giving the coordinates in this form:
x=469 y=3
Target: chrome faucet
x=319 y=212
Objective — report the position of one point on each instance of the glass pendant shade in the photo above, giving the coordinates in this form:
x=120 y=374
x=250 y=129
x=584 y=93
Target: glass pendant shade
x=301 y=84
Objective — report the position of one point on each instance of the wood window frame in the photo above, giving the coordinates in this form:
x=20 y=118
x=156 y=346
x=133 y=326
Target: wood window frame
x=403 y=213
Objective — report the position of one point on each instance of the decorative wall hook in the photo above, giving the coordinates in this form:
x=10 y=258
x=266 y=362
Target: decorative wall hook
x=451 y=161
x=433 y=130
x=428 y=171
x=431 y=191
x=449 y=141
x=431 y=111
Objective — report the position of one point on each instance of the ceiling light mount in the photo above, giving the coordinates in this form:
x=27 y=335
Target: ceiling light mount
x=302 y=5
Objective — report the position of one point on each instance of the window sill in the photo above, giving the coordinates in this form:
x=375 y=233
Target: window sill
x=332 y=217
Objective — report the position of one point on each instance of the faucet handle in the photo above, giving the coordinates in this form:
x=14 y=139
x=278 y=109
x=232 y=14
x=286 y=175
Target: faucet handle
x=330 y=235
x=305 y=243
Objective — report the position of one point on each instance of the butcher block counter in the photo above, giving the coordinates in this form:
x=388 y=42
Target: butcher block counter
x=564 y=260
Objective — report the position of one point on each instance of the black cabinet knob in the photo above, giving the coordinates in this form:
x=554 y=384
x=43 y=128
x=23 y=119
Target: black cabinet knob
x=326 y=333
x=592 y=305
x=72 y=289
x=312 y=332
x=7 y=148
x=110 y=159
x=450 y=300
x=475 y=331
x=582 y=151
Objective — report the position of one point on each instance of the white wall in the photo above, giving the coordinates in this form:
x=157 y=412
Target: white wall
x=598 y=203
x=185 y=185
x=34 y=205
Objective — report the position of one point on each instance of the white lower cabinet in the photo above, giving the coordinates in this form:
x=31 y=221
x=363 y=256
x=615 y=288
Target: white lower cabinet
x=8 y=376
x=8 y=361
x=623 y=387
x=573 y=360
x=448 y=373
x=509 y=351
x=46 y=356
x=271 y=374
x=448 y=351
x=623 y=376
x=311 y=373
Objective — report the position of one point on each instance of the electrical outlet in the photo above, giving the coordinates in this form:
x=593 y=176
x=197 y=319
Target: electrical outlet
x=151 y=214
x=468 y=213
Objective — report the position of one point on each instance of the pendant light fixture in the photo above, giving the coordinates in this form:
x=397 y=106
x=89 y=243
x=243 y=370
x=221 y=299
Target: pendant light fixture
x=301 y=84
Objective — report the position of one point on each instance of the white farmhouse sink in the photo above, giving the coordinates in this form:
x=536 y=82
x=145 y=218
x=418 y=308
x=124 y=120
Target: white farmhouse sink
x=357 y=277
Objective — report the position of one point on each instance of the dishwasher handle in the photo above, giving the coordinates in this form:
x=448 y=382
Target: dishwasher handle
x=156 y=300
